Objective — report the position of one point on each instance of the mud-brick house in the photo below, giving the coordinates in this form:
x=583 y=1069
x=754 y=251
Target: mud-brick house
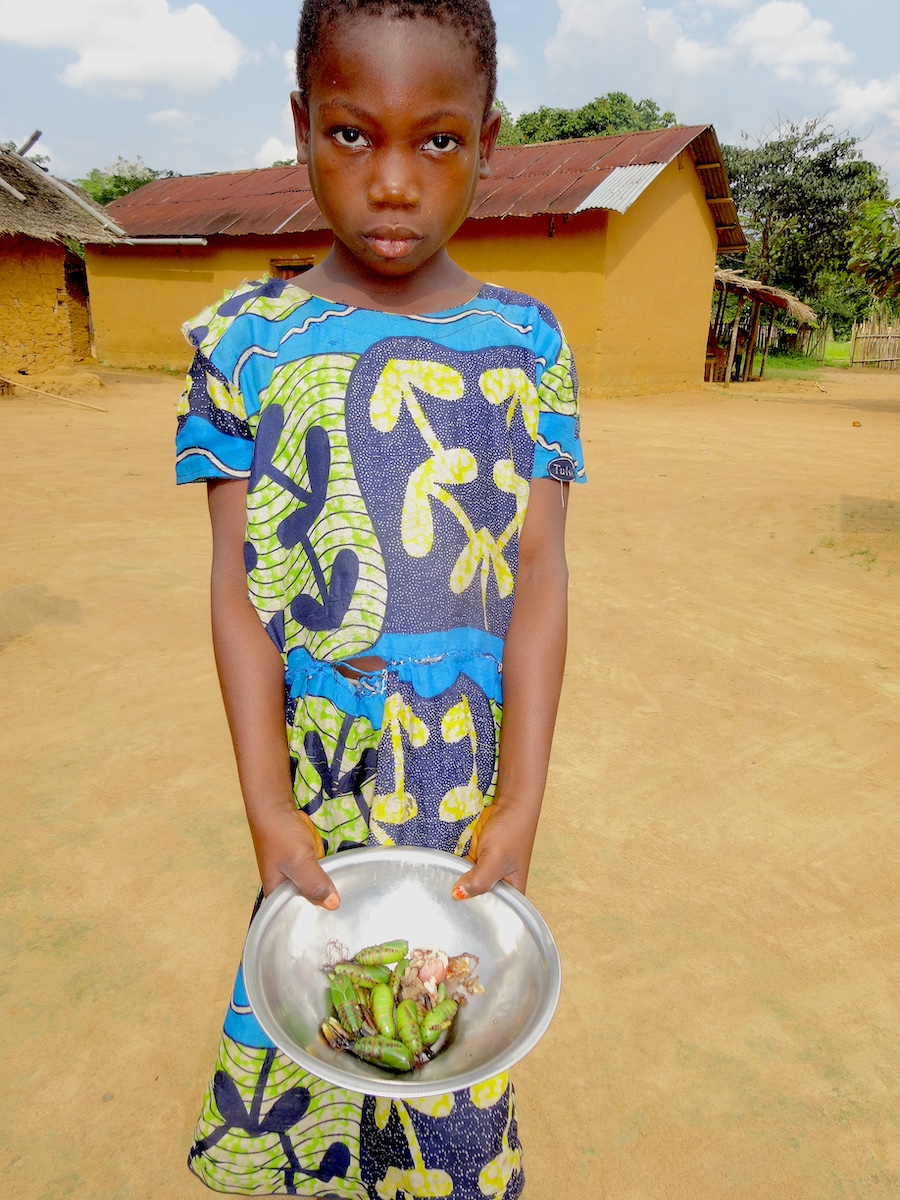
x=44 y=314
x=619 y=235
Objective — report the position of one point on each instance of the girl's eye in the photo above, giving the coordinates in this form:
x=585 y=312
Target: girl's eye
x=441 y=142
x=348 y=137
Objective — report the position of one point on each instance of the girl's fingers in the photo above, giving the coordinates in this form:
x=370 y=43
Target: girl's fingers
x=291 y=850
x=315 y=885
x=496 y=850
x=486 y=872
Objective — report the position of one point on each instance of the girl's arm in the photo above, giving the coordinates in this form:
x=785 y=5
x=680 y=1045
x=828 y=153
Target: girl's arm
x=533 y=661
x=251 y=675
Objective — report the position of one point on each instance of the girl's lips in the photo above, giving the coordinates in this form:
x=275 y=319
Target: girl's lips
x=393 y=243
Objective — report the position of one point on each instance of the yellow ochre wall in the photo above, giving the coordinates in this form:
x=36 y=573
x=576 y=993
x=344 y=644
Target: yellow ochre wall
x=660 y=258
x=35 y=334
x=141 y=295
x=631 y=291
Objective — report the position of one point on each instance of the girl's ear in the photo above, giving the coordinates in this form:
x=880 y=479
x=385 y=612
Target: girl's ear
x=300 y=113
x=488 y=141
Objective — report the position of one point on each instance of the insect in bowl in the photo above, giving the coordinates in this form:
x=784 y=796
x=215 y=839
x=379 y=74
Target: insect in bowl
x=404 y=892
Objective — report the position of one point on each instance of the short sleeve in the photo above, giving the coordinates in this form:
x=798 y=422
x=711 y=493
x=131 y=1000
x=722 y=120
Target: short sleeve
x=558 y=453
x=213 y=440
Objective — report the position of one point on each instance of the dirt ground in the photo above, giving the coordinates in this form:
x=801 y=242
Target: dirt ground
x=720 y=848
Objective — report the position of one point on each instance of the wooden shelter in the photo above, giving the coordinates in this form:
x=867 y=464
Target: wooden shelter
x=760 y=295
x=44 y=313
x=618 y=235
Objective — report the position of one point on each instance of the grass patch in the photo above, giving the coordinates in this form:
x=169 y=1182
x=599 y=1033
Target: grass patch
x=837 y=354
x=791 y=366
x=866 y=550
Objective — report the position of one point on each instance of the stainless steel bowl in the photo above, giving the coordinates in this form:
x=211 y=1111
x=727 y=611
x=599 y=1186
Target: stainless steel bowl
x=404 y=892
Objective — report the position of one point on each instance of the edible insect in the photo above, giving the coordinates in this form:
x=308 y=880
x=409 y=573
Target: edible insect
x=348 y=1010
x=439 y=1019
x=408 y=1029
x=384 y=1052
x=384 y=952
x=383 y=1010
x=361 y=974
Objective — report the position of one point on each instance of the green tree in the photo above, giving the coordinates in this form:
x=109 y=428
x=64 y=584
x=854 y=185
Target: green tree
x=615 y=112
x=875 y=248
x=122 y=177
x=798 y=196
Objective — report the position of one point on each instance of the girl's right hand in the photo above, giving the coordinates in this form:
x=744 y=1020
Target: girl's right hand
x=288 y=846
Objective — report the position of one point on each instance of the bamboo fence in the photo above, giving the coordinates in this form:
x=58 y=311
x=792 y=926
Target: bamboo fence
x=876 y=343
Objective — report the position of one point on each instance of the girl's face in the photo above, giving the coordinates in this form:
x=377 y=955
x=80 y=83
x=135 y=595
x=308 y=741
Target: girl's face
x=394 y=139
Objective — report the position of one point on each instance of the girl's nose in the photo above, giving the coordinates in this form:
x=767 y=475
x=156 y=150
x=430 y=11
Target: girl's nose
x=394 y=181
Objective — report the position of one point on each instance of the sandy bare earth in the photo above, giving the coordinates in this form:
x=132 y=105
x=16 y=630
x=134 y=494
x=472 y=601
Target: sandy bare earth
x=720 y=851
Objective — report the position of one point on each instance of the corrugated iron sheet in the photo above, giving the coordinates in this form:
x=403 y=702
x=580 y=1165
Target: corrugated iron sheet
x=553 y=178
x=621 y=187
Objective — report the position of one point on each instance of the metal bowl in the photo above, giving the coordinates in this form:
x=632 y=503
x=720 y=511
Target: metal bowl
x=404 y=892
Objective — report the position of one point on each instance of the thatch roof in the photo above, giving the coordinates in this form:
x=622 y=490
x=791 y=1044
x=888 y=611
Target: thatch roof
x=765 y=293
x=46 y=212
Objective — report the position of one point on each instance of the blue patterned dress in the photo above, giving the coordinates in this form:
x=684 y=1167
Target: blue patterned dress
x=388 y=461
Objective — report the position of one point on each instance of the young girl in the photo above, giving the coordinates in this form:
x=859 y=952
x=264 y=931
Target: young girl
x=387 y=450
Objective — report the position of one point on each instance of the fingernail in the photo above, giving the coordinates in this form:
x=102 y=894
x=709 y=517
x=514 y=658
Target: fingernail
x=459 y=893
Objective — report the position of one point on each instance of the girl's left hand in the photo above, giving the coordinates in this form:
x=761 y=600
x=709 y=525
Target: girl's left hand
x=500 y=848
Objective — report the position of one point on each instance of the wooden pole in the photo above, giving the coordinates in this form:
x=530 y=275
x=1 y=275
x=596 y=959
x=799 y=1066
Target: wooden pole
x=751 y=341
x=733 y=346
x=720 y=312
x=762 y=365
x=14 y=383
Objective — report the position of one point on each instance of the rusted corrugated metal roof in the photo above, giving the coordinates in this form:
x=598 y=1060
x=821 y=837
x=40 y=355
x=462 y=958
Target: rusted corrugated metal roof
x=551 y=178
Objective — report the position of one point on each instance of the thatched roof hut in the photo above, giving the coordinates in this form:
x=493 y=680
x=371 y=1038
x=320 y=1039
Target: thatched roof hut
x=44 y=321
x=753 y=289
x=34 y=204
x=739 y=359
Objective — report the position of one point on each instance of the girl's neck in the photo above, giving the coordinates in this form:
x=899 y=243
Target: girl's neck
x=436 y=285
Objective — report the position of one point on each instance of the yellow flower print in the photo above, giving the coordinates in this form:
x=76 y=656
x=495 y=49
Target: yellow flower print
x=395 y=388
x=417 y=1182
x=445 y=467
x=398 y=806
x=511 y=386
x=466 y=800
x=488 y=1093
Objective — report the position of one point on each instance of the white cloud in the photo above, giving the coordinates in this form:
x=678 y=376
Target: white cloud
x=128 y=44
x=686 y=53
x=277 y=148
x=784 y=35
x=857 y=104
x=274 y=150
x=169 y=116
x=623 y=30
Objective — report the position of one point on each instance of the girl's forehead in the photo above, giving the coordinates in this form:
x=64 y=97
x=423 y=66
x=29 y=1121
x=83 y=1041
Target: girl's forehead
x=368 y=45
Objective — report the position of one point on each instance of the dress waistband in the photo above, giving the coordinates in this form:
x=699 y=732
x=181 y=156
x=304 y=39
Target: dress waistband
x=365 y=694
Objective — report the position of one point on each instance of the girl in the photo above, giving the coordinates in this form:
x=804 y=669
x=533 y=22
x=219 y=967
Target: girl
x=386 y=450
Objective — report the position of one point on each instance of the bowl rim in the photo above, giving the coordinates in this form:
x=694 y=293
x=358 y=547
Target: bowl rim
x=388 y=1086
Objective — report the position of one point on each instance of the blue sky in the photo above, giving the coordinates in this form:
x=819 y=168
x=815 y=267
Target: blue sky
x=203 y=87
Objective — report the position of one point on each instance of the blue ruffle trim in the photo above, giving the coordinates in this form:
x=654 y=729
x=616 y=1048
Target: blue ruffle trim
x=431 y=663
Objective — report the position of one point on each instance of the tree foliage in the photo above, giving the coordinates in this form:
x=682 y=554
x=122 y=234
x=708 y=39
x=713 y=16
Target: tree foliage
x=799 y=195
x=615 y=112
x=875 y=248
x=122 y=177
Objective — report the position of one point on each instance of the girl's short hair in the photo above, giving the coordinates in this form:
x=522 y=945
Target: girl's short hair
x=472 y=19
